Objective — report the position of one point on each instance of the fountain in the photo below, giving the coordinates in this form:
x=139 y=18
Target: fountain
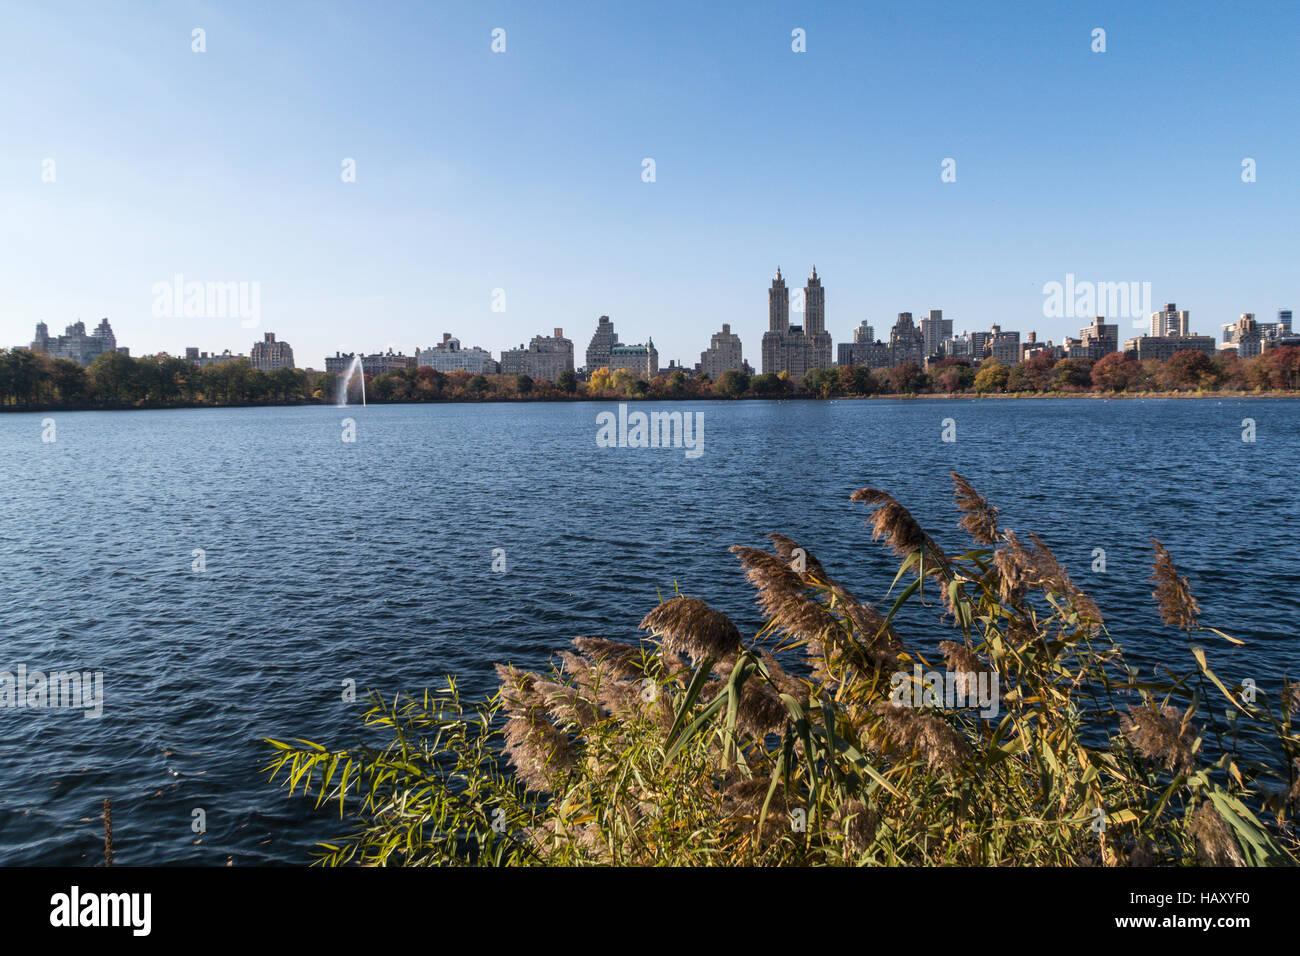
x=346 y=377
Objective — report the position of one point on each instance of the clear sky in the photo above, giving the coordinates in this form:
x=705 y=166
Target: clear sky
x=522 y=170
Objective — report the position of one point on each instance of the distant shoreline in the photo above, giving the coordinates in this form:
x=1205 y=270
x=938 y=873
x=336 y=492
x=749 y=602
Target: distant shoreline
x=664 y=399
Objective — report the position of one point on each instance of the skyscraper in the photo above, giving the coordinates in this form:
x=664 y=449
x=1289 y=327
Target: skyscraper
x=778 y=305
x=602 y=343
x=814 y=300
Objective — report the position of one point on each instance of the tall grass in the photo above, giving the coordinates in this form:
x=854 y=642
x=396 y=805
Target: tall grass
x=697 y=746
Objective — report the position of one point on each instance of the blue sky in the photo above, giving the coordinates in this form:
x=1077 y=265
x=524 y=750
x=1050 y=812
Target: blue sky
x=522 y=170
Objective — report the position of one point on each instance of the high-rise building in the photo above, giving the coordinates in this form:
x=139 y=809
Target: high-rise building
x=1170 y=322
x=543 y=359
x=722 y=355
x=864 y=333
x=602 y=342
x=814 y=303
x=778 y=305
x=75 y=343
x=448 y=356
x=934 y=329
x=269 y=354
x=796 y=349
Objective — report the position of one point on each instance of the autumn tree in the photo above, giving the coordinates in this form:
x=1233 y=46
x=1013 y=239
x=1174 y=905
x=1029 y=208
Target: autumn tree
x=991 y=377
x=1116 y=372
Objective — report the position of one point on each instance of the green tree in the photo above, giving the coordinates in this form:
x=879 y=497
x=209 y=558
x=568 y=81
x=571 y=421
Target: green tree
x=733 y=384
x=115 y=380
x=767 y=385
x=1072 y=375
x=567 y=381
x=70 y=382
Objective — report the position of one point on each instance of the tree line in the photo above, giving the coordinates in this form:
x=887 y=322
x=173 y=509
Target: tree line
x=30 y=380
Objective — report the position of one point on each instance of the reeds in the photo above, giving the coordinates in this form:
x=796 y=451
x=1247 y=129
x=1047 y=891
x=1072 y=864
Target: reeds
x=798 y=746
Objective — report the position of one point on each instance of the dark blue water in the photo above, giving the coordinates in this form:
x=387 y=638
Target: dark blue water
x=372 y=561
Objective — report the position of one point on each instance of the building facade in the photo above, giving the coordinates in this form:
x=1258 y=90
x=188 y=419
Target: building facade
x=642 y=360
x=75 y=343
x=796 y=349
x=212 y=358
x=269 y=354
x=723 y=354
x=381 y=363
x=378 y=363
x=544 y=358
x=1163 y=347
x=448 y=356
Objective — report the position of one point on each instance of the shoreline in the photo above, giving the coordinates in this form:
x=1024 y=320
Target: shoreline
x=668 y=399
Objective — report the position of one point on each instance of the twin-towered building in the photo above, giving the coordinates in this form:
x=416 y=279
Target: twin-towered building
x=796 y=349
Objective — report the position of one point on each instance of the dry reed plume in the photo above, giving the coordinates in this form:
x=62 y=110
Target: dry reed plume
x=787 y=743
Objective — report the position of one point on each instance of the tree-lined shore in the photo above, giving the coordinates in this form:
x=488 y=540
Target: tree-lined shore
x=30 y=381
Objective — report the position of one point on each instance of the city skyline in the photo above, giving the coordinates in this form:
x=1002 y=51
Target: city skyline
x=834 y=155
x=785 y=347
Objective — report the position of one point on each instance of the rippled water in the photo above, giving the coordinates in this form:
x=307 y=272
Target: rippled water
x=372 y=561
